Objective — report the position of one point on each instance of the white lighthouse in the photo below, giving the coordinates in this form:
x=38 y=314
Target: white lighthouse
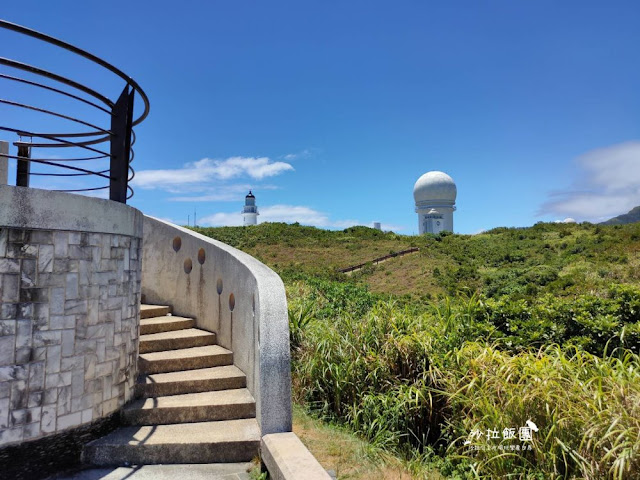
x=435 y=196
x=250 y=210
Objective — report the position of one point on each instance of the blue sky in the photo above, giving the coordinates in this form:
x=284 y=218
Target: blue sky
x=330 y=111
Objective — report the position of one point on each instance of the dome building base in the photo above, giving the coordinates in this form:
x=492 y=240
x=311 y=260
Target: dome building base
x=435 y=196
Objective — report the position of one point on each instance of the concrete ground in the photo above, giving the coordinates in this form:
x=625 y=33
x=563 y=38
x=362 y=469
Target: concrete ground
x=215 y=471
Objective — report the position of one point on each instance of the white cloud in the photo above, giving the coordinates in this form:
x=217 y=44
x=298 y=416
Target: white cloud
x=219 y=193
x=207 y=170
x=614 y=168
x=233 y=219
x=295 y=156
x=281 y=213
x=300 y=214
x=609 y=185
x=288 y=214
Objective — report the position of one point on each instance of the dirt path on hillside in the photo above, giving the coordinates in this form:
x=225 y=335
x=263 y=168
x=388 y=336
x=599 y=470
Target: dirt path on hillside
x=376 y=261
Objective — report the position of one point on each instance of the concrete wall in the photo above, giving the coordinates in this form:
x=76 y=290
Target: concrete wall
x=286 y=458
x=69 y=314
x=232 y=294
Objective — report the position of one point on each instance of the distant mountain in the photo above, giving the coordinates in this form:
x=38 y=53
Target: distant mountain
x=632 y=217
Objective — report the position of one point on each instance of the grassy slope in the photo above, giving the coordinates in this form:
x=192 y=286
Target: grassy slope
x=562 y=259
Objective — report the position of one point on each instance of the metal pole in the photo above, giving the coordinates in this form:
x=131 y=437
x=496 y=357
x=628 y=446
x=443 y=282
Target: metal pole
x=4 y=163
x=23 y=166
x=121 y=120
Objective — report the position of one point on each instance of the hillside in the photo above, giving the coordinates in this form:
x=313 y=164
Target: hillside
x=563 y=259
x=632 y=216
x=428 y=354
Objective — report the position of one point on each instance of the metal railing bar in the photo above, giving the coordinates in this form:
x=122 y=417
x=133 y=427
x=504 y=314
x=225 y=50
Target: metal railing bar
x=60 y=145
x=54 y=114
x=81 y=159
x=85 y=54
x=42 y=174
x=75 y=135
x=54 y=76
x=25 y=133
x=82 y=189
x=54 y=164
x=67 y=135
x=52 y=89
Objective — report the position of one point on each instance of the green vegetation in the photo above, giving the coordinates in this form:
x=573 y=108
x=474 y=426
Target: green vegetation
x=436 y=356
x=562 y=259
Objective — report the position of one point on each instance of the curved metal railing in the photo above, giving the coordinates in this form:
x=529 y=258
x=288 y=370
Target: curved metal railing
x=88 y=136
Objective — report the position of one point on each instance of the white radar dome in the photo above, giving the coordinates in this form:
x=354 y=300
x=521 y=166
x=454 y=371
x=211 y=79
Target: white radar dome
x=435 y=186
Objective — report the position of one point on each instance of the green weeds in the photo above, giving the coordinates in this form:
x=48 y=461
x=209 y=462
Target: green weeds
x=417 y=381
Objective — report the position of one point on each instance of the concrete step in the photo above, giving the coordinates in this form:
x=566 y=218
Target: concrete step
x=165 y=324
x=184 y=359
x=148 y=311
x=194 y=471
x=191 y=381
x=187 y=338
x=191 y=407
x=202 y=442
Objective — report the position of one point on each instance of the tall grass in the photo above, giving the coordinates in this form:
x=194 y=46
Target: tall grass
x=587 y=410
x=419 y=382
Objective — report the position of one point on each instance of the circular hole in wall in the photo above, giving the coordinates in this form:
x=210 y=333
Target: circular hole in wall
x=177 y=243
x=201 y=256
x=219 y=286
x=188 y=265
x=232 y=302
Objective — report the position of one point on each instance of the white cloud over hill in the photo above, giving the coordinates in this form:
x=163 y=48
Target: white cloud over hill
x=608 y=185
x=288 y=214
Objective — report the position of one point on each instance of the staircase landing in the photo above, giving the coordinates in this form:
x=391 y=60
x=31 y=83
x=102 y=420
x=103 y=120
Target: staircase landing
x=219 y=471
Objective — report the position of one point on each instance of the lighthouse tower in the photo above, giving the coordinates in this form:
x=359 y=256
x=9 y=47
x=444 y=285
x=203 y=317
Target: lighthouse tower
x=435 y=196
x=250 y=210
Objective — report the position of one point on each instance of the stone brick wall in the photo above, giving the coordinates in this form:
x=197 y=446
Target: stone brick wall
x=68 y=328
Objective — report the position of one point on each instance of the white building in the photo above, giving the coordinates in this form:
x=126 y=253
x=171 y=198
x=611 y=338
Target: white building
x=435 y=196
x=250 y=210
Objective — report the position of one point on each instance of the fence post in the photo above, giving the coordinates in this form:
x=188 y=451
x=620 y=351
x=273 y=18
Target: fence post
x=4 y=163
x=121 y=120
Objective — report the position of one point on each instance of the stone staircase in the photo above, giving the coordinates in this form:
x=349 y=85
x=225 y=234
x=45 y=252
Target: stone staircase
x=192 y=405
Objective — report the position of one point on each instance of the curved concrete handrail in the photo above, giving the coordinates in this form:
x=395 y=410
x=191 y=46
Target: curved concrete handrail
x=231 y=293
